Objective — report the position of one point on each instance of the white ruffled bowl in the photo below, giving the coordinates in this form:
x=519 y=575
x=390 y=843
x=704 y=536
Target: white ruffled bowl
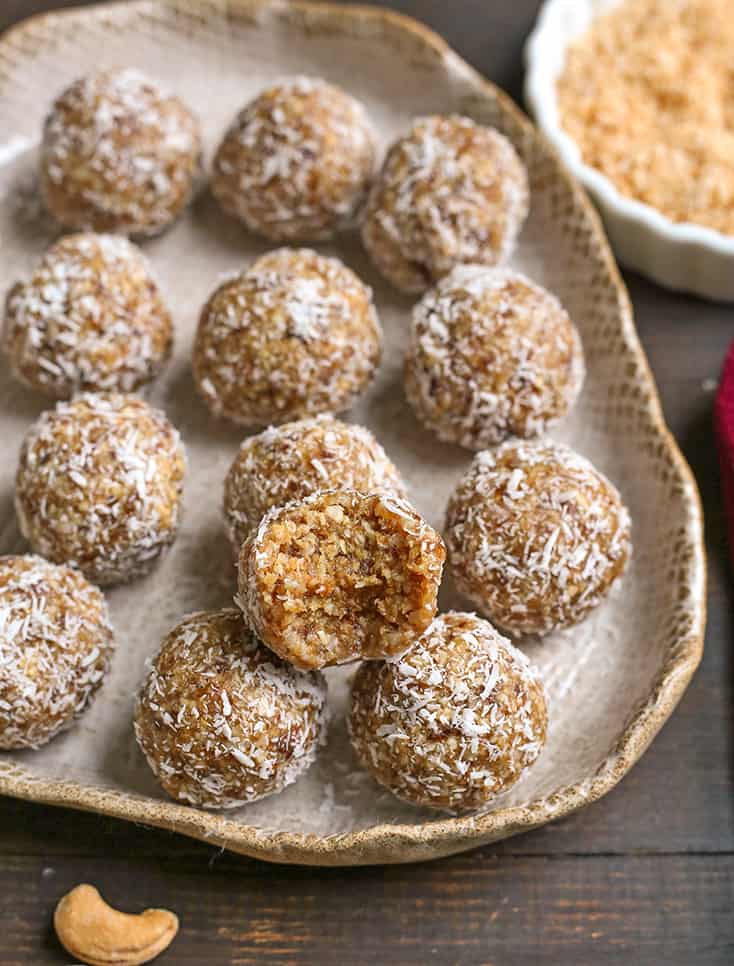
x=680 y=256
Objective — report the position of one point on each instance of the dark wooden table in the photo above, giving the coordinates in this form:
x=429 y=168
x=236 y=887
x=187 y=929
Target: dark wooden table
x=646 y=876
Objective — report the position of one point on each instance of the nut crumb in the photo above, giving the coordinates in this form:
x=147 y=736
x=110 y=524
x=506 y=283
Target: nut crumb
x=340 y=576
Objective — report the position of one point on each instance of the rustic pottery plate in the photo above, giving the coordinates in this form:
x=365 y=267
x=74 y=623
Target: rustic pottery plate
x=612 y=682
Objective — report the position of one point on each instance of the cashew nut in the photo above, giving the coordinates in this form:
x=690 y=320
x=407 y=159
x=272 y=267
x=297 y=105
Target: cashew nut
x=97 y=934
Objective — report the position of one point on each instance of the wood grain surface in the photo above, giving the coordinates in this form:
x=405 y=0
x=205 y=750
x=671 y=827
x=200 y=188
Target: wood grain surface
x=646 y=876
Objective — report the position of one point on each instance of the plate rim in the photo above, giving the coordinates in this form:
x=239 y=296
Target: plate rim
x=405 y=842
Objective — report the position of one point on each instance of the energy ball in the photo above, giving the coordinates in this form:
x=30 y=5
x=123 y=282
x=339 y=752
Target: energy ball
x=492 y=355
x=294 y=335
x=450 y=192
x=222 y=720
x=340 y=576
x=537 y=537
x=296 y=162
x=298 y=459
x=99 y=485
x=455 y=721
x=119 y=155
x=90 y=317
x=55 y=649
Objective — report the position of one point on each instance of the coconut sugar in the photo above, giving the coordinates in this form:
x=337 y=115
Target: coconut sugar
x=647 y=94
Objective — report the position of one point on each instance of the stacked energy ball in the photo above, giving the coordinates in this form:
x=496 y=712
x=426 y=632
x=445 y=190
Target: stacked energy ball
x=334 y=564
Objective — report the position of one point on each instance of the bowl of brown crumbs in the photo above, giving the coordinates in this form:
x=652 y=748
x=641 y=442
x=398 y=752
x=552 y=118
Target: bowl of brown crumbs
x=637 y=96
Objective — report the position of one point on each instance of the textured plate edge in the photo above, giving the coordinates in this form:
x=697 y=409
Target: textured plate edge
x=405 y=842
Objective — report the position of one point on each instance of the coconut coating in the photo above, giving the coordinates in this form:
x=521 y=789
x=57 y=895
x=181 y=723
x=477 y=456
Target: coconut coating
x=119 y=155
x=293 y=461
x=294 y=335
x=99 y=485
x=492 y=355
x=537 y=537
x=340 y=576
x=452 y=723
x=89 y=318
x=296 y=162
x=56 y=643
x=450 y=192
x=222 y=720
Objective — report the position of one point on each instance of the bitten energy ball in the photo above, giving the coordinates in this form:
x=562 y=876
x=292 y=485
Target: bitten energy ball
x=492 y=355
x=55 y=648
x=295 y=335
x=536 y=536
x=298 y=459
x=450 y=192
x=452 y=723
x=222 y=720
x=90 y=317
x=296 y=162
x=99 y=485
x=119 y=155
x=340 y=576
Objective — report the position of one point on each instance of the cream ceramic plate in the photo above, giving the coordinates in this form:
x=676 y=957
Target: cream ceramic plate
x=612 y=682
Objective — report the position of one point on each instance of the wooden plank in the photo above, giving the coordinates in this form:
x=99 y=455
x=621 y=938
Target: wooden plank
x=645 y=910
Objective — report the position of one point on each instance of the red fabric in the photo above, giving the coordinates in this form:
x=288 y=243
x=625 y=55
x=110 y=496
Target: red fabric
x=724 y=426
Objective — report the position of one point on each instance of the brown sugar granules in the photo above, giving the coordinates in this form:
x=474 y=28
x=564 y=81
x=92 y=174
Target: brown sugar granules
x=647 y=94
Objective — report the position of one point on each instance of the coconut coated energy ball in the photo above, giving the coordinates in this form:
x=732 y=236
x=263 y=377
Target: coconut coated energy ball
x=90 y=317
x=222 y=720
x=294 y=335
x=55 y=648
x=492 y=355
x=340 y=576
x=293 y=461
x=99 y=485
x=450 y=192
x=119 y=155
x=453 y=722
x=296 y=162
x=537 y=537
